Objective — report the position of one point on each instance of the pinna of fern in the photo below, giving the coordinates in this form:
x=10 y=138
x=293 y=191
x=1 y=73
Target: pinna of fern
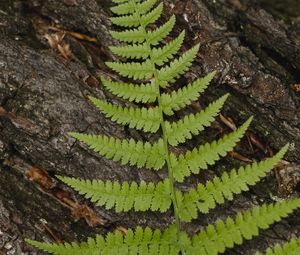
x=289 y=248
x=213 y=240
x=151 y=68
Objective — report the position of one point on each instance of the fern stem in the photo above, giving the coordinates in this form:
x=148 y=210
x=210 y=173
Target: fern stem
x=165 y=142
x=169 y=166
x=164 y=134
x=167 y=153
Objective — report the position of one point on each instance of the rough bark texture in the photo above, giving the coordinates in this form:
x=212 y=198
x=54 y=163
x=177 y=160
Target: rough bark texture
x=43 y=96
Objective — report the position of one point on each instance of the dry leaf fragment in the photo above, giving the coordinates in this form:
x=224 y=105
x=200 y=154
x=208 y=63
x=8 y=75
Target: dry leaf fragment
x=71 y=2
x=85 y=212
x=78 y=211
x=121 y=229
x=239 y=156
x=257 y=142
x=91 y=81
x=56 y=42
x=41 y=177
x=82 y=36
x=3 y=112
x=64 y=50
x=74 y=34
x=296 y=87
x=51 y=233
x=55 y=39
x=228 y=122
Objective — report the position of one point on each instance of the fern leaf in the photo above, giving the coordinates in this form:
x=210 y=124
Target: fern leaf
x=130 y=7
x=126 y=151
x=137 y=35
x=139 y=241
x=145 y=93
x=156 y=36
x=192 y=124
x=162 y=55
x=145 y=6
x=152 y=16
x=184 y=96
x=87 y=248
x=132 y=20
x=289 y=248
x=206 y=154
x=177 y=67
x=135 y=20
x=214 y=239
x=139 y=118
x=140 y=51
x=125 y=196
x=124 y=8
x=133 y=70
x=122 y=1
x=135 y=51
x=206 y=197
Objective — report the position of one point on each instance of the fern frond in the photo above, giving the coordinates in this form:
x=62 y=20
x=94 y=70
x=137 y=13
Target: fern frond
x=145 y=6
x=214 y=239
x=153 y=66
x=132 y=20
x=215 y=192
x=135 y=70
x=125 y=196
x=122 y=1
x=139 y=241
x=177 y=67
x=192 y=124
x=135 y=51
x=131 y=7
x=151 y=156
x=123 y=8
x=206 y=154
x=162 y=55
x=137 y=35
x=289 y=248
x=135 y=20
x=138 y=118
x=186 y=95
x=156 y=36
x=152 y=16
x=145 y=93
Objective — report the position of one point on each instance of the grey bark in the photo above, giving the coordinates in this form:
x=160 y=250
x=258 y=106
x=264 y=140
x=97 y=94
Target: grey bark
x=43 y=97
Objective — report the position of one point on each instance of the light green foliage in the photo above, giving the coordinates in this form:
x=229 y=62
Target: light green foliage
x=205 y=197
x=192 y=124
x=139 y=118
x=135 y=51
x=161 y=55
x=145 y=93
x=207 y=154
x=156 y=36
x=288 y=248
x=177 y=67
x=215 y=239
x=185 y=96
x=126 y=151
x=140 y=241
x=152 y=66
x=133 y=70
x=124 y=196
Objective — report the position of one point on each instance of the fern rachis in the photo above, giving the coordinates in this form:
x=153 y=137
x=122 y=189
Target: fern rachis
x=154 y=68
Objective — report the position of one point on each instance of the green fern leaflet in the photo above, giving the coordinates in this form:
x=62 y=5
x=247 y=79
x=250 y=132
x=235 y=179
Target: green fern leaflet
x=152 y=66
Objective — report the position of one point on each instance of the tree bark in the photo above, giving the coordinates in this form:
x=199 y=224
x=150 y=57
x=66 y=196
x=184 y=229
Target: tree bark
x=43 y=96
